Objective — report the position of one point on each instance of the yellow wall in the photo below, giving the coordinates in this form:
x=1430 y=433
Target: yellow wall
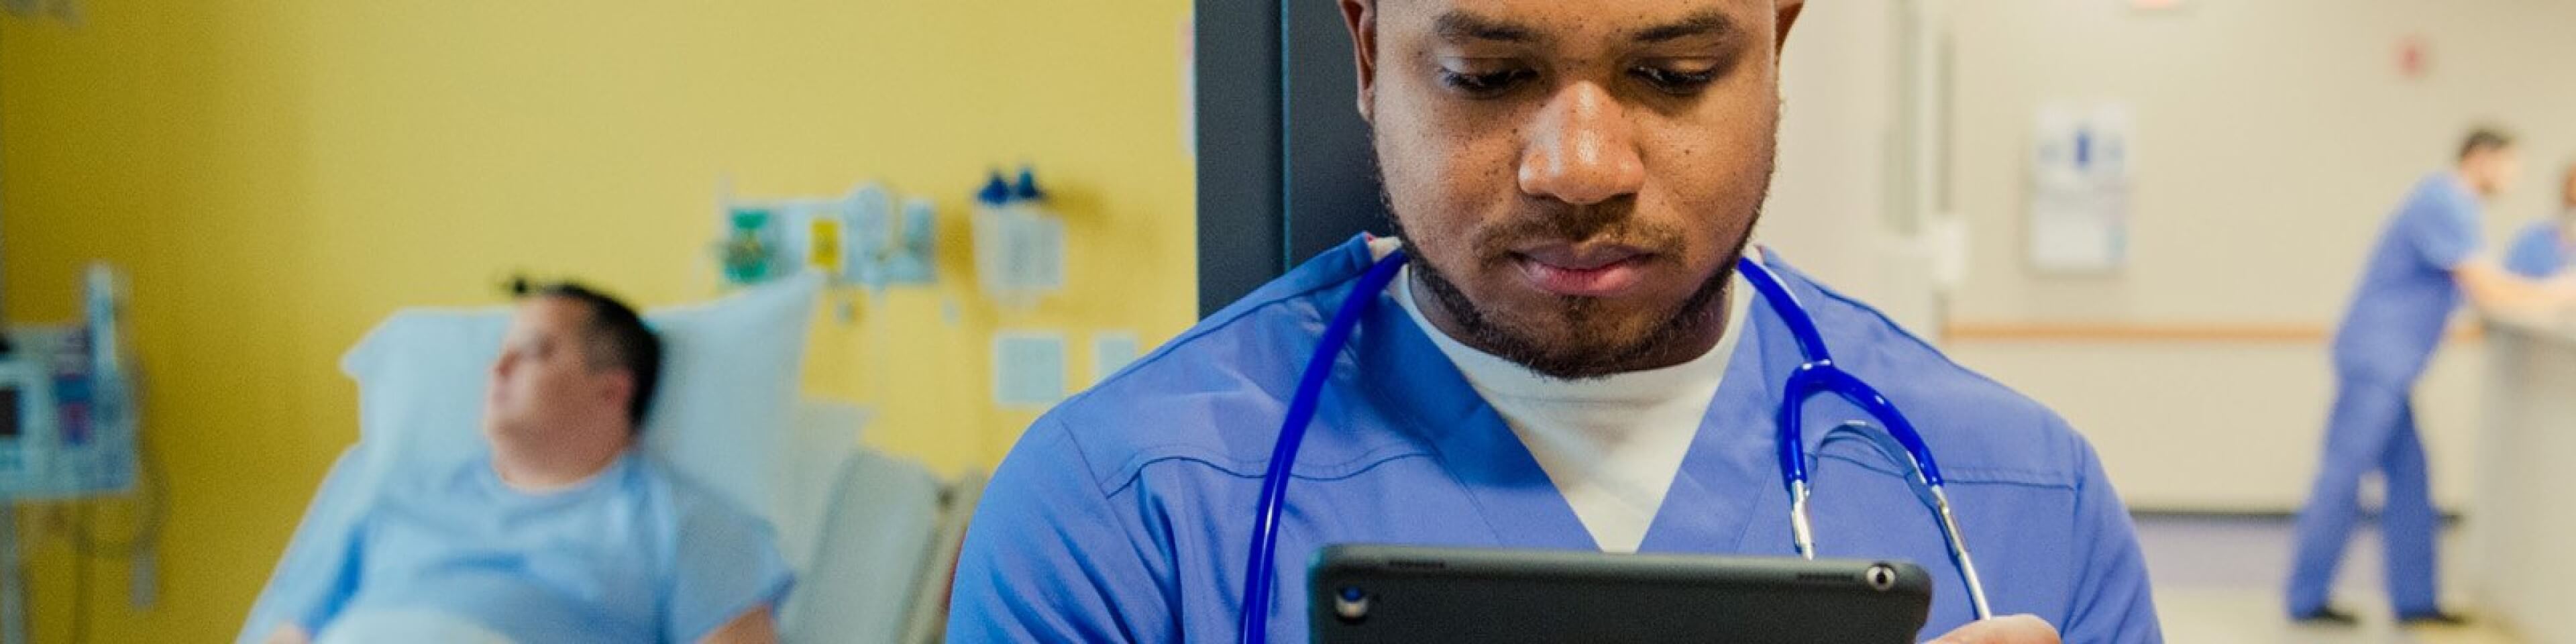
x=277 y=176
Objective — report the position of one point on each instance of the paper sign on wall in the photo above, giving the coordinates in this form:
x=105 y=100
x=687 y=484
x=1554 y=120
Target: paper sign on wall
x=2080 y=186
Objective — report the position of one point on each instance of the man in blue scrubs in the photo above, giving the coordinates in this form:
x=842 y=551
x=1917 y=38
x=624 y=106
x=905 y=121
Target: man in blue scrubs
x=1568 y=361
x=2427 y=259
x=563 y=532
x=2540 y=250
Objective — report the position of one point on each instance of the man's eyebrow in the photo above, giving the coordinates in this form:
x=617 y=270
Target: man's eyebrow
x=1463 y=26
x=1707 y=22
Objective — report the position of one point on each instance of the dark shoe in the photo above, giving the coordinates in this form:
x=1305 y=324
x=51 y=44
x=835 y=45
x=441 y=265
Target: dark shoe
x=2327 y=616
x=2435 y=618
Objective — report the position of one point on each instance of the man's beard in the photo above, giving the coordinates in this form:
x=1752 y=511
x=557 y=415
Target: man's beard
x=1694 y=318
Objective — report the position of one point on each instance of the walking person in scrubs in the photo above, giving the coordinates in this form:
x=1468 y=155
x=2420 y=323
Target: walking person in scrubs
x=1568 y=360
x=2427 y=261
x=2541 y=249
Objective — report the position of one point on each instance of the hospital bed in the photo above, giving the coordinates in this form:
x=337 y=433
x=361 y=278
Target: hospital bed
x=871 y=536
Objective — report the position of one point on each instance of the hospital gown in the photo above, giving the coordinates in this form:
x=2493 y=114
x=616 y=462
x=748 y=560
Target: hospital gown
x=637 y=553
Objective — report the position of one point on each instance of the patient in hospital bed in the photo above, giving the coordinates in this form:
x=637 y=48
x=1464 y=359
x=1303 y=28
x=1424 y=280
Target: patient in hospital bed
x=564 y=532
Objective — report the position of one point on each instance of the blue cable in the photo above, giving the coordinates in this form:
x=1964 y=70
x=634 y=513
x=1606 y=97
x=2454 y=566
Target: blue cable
x=1261 y=570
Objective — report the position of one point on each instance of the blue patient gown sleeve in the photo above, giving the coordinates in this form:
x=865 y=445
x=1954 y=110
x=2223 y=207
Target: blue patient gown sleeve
x=725 y=565
x=2113 y=600
x=318 y=573
x=312 y=590
x=2442 y=223
x=1050 y=560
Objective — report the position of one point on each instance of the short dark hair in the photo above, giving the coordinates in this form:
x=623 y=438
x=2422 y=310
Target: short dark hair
x=2485 y=139
x=617 y=338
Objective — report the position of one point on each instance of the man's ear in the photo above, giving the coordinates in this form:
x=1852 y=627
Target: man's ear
x=1788 y=17
x=618 y=386
x=1361 y=17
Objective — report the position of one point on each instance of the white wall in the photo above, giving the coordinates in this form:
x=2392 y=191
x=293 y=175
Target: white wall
x=2272 y=138
x=1830 y=198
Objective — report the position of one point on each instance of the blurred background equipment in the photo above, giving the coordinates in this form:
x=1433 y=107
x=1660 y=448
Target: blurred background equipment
x=70 y=446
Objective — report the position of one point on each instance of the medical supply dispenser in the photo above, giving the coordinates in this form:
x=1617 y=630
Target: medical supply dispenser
x=67 y=416
x=917 y=245
x=858 y=239
x=750 y=245
x=1019 y=242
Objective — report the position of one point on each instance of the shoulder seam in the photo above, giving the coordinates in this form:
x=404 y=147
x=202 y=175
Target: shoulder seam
x=2050 y=423
x=1901 y=331
x=1202 y=329
x=1146 y=457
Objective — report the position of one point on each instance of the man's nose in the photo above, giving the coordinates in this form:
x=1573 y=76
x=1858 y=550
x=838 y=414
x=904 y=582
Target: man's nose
x=1583 y=150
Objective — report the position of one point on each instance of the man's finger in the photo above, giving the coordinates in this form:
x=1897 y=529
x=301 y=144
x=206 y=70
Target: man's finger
x=2016 y=629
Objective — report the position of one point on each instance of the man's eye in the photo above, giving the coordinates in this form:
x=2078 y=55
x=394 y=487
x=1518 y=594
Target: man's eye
x=1677 y=82
x=1484 y=84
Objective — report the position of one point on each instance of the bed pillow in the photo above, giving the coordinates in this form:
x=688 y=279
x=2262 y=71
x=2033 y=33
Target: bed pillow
x=722 y=414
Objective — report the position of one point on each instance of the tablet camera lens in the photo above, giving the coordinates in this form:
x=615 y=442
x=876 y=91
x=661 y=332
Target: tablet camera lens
x=1881 y=577
x=1351 y=604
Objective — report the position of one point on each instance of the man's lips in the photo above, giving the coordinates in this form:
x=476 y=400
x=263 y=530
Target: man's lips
x=1567 y=270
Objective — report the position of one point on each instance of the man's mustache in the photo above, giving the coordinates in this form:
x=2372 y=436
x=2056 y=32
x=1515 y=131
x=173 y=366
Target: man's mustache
x=1608 y=222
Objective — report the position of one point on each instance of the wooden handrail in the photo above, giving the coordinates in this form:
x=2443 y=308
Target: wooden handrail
x=2158 y=333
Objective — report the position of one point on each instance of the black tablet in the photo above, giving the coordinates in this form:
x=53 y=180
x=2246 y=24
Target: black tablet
x=1369 y=593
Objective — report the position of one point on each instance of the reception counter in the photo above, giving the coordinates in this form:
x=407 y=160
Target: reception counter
x=2521 y=529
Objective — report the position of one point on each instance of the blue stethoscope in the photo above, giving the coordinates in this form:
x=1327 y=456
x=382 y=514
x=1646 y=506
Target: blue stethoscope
x=1817 y=375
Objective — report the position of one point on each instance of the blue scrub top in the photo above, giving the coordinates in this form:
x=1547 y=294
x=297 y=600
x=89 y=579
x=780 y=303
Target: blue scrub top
x=636 y=554
x=2539 y=250
x=2406 y=294
x=1125 y=513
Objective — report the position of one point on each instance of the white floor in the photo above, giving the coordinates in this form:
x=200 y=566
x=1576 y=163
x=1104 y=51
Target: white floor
x=2251 y=616
x=2219 y=581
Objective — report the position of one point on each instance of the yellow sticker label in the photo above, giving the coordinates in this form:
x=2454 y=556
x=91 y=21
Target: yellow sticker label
x=826 y=252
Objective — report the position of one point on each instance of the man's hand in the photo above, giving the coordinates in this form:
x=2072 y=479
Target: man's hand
x=288 y=634
x=2561 y=287
x=2496 y=291
x=2016 y=629
x=754 y=627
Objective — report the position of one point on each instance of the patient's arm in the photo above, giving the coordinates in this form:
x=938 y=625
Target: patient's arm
x=752 y=627
x=289 y=634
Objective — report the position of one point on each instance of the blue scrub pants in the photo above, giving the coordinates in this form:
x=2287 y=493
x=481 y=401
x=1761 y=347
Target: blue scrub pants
x=2371 y=428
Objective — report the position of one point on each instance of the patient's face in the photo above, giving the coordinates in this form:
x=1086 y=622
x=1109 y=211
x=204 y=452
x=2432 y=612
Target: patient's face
x=544 y=380
x=1576 y=179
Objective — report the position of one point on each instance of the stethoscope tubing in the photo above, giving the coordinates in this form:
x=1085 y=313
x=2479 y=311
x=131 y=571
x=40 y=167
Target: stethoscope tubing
x=1817 y=376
